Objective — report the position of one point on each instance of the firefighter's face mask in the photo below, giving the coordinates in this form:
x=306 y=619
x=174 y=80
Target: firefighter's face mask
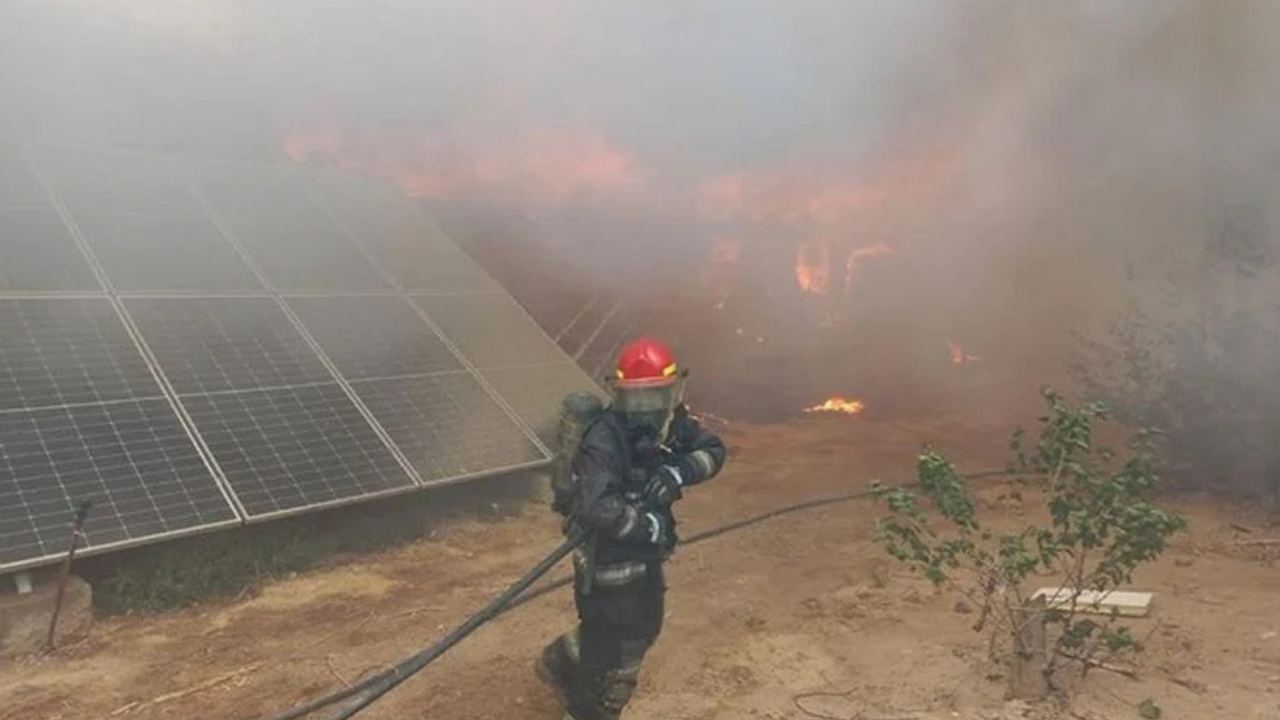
x=649 y=409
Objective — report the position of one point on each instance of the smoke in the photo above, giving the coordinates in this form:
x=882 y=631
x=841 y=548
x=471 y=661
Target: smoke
x=1026 y=165
x=696 y=84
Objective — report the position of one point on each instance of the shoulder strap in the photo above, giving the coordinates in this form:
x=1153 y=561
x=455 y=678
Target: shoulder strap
x=619 y=435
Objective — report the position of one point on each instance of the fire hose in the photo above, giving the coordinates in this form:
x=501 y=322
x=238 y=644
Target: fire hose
x=374 y=687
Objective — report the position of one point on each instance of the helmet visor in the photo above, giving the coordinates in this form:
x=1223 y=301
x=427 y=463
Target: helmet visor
x=648 y=405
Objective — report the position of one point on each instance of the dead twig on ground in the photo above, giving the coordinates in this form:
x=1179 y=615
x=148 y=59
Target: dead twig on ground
x=328 y=663
x=1140 y=645
x=1194 y=686
x=1109 y=667
x=365 y=672
x=364 y=618
x=1256 y=543
x=206 y=685
x=797 y=701
x=1101 y=665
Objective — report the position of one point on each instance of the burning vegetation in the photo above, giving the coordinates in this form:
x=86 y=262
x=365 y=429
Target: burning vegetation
x=548 y=168
x=838 y=404
x=1071 y=153
x=958 y=354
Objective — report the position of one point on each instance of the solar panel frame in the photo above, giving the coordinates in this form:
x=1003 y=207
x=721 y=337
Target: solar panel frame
x=192 y=340
x=400 y=239
x=96 y=351
x=144 y=253
x=425 y=416
x=243 y=192
x=468 y=320
x=51 y=458
x=20 y=186
x=39 y=254
x=432 y=267
x=292 y=266
x=237 y=427
x=533 y=392
x=374 y=336
x=122 y=181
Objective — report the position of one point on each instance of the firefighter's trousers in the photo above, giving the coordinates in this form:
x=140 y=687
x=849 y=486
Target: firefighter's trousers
x=595 y=667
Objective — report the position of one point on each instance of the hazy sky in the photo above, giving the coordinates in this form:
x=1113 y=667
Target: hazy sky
x=742 y=82
x=1093 y=122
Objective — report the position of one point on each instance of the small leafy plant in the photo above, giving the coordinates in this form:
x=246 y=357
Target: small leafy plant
x=1101 y=528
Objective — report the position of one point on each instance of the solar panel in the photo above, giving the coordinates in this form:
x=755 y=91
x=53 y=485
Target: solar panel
x=68 y=351
x=534 y=392
x=307 y=255
x=97 y=182
x=608 y=337
x=161 y=253
x=397 y=235
x=491 y=329
x=302 y=447
x=239 y=281
x=243 y=192
x=19 y=186
x=374 y=337
x=133 y=460
x=428 y=265
x=447 y=425
x=37 y=253
x=208 y=345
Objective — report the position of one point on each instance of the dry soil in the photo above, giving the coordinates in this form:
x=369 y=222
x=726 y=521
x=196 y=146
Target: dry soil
x=793 y=618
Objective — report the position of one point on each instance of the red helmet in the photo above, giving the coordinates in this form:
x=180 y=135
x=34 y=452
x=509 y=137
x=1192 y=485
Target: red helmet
x=645 y=363
x=647 y=385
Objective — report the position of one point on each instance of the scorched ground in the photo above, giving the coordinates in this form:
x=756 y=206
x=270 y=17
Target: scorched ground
x=812 y=607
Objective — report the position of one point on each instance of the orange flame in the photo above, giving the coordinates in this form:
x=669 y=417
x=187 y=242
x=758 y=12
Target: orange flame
x=958 y=355
x=828 y=213
x=855 y=258
x=782 y=198
x=838 y=404
x=548 y=166
x=813 y=266
x=766 y=199
x=722 y=268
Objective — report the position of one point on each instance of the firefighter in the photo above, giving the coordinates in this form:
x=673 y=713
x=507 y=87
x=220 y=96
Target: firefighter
x=634 y=461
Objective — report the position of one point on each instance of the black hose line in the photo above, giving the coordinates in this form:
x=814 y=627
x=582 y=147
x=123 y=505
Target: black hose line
x=412 y=665
x=738 y=525
x=377 y=685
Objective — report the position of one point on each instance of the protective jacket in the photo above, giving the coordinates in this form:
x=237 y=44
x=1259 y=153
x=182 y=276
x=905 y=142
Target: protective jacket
x=611 y=470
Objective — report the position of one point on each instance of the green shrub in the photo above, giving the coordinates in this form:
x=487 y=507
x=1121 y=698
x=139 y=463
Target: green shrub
x=1102 y=528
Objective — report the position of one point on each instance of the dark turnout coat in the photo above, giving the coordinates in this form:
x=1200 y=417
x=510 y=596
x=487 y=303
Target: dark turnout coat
x=611 y=471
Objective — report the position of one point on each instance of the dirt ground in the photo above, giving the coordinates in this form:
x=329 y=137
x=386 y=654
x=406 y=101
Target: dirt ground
x=793 y=618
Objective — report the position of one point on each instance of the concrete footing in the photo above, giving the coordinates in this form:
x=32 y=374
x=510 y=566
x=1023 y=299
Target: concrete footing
x=24 y=618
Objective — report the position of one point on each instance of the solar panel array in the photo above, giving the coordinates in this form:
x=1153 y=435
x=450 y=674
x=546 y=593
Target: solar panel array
x=193 y=344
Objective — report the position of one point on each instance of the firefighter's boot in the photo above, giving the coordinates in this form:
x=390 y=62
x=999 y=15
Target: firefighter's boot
x=555 y=665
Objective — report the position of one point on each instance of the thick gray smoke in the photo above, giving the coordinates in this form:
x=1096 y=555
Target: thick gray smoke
x=1027 y=165
x=709 y=84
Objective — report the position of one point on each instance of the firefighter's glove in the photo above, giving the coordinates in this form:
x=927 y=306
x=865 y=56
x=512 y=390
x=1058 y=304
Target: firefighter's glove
x=661 y=533
x=663 y=487
x=573 y=528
